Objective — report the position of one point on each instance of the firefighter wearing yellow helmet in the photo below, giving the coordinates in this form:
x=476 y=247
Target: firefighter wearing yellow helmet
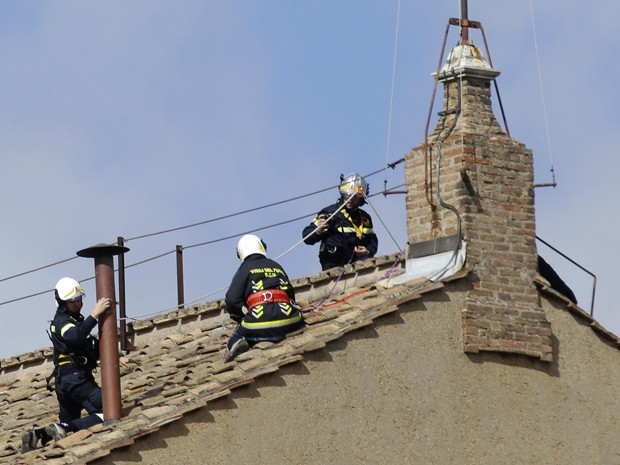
x=344 y=230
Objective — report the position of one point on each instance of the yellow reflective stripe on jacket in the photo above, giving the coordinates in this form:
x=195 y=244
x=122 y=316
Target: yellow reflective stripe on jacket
x=359 y=230
x=63 y=357
x=271 y=324
x=65 y=328
x=345 y=229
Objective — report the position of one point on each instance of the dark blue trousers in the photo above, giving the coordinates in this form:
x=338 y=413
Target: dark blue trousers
x=76 y=391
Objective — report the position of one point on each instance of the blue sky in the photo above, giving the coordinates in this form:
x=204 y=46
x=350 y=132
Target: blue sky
x=127 y=118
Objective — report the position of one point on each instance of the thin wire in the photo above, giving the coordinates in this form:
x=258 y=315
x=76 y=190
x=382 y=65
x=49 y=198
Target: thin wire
x=39 y=293
x=392 y=165
x=164 y=254
x=26 y=297
x=176 y=307
x=187 y=247
x=384 y=225
x=236 y=235
x=276 y=258
x=248 y=232
x=38 y=269
x=542 y=92
x=389 y=132
x=230 y=215
x=151 y=259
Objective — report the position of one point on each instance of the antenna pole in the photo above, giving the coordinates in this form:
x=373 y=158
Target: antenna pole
x=464 y=23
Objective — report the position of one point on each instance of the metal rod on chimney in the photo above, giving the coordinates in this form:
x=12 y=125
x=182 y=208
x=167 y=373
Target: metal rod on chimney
x=464 y=23
x=180 y=291
x=108 y=334
x=122 y=307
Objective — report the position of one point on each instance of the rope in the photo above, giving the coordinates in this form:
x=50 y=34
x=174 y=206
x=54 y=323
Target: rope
x=230 y=237
x=389 y=131
x=389 y=272
x=290 y=249
x=315 y=229
x=331 y=291
x=542 y=92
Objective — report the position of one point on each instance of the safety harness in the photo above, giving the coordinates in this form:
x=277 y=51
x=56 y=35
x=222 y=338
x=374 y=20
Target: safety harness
x=65 y=363
x=267 y=296
x=359 y=230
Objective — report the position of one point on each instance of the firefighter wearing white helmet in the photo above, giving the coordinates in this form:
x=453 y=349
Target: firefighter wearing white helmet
x=250 y=244
x=68 y=289
x=262 y=288
x=344 y=230
x=76 y=353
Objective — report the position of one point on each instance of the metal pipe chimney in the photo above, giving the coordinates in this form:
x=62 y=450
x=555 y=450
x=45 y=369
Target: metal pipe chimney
x=108 y=335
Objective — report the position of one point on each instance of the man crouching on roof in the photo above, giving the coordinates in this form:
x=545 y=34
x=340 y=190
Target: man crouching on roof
x=76 y=353
x=262 y=286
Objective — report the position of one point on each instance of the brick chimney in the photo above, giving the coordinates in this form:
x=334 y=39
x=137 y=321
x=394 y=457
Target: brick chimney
x=470 y=175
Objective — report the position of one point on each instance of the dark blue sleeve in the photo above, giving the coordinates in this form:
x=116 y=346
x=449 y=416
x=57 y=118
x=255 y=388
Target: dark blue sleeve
x=235 y=296
x=76 y=335
x=314 y=238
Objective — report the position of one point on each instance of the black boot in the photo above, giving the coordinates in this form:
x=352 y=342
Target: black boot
x=31 y=438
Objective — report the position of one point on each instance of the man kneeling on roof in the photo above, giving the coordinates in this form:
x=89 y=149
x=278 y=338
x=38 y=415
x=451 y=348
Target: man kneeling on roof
x=263 y=288
x=76 y=353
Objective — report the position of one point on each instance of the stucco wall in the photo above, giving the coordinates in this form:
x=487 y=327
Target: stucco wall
x=404 y=391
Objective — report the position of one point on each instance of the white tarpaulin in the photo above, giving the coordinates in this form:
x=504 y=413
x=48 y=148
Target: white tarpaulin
x=433 y=267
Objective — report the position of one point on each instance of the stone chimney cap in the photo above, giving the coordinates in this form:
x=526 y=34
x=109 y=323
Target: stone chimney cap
x=467 y=60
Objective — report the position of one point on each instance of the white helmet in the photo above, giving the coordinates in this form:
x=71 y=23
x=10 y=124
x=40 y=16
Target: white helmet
x=68 y=289
x=250 y=244
x=353 y=184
